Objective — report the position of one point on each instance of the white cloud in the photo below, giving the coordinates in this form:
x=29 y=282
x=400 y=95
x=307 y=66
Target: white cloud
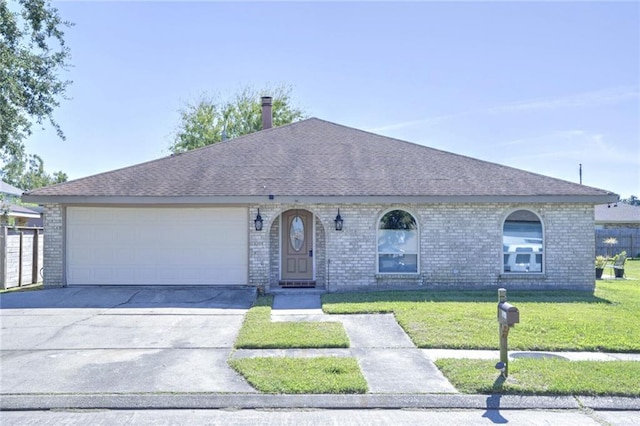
x=418 y=122
x=581 y=100
x=594 y=98
x=578 y=145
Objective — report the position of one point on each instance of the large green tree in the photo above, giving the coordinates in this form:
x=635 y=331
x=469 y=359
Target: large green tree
x=27 y=172
x=633 y=200
x=32 y=56
x=211 y=119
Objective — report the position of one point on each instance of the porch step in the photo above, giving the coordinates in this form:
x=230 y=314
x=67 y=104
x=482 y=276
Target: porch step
x=297 y=290
x=297 y=284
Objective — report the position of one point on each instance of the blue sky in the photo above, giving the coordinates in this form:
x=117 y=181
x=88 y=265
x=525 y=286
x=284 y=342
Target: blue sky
x=541 y=86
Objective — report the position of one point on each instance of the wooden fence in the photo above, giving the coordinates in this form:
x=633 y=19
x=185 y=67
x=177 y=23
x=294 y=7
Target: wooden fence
x=20 y=256
x=628 y=240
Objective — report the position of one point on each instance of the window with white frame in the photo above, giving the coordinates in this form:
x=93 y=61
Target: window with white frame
x=397 y=243
x=522 y=243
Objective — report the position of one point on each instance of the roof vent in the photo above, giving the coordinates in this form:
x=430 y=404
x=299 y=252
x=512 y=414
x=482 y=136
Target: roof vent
x=267 y=118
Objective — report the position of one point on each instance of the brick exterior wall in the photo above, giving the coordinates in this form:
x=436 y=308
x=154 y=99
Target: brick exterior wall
x=53 y=246
x=460 y=246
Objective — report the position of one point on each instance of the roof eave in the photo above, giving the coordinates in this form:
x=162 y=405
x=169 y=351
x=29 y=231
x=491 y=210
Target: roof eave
x=24 y=214
x=306 y=199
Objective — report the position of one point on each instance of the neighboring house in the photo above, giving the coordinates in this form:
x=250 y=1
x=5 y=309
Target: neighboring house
x=319 y=204
x=10 y=190
x=620 y=221
x=22 y=216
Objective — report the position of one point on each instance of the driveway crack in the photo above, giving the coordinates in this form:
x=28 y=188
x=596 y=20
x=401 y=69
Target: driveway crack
x=64 y=328
x=217 y=296
x=127 y=301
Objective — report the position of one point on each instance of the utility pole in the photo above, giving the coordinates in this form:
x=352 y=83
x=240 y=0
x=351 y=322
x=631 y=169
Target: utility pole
x=580 y=173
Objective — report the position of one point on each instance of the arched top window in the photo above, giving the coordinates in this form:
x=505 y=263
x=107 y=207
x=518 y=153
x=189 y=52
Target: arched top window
x=397 y=243
x=522 y=243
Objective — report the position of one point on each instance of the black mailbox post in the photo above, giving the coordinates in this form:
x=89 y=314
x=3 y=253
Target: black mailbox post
x=508 y=316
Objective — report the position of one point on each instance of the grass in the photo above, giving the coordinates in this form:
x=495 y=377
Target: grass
x=295 y=375
x=322 y=375
x=545 y=377
x=258 y=332
x=549 y=320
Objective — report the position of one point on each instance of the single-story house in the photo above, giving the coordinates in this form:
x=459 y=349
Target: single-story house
x=620 y=221
x=316 y=203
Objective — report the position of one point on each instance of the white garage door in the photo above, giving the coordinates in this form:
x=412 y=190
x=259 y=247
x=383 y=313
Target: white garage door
x=157 y=246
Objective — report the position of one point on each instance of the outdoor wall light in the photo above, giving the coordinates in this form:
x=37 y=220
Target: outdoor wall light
x=258 y=222
x=338 y=222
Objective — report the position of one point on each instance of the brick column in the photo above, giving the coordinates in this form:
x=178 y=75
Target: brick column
x=259 y=248
x=53 y=256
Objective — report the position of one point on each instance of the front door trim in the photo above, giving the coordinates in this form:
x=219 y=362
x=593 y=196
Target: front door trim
x=282 y=246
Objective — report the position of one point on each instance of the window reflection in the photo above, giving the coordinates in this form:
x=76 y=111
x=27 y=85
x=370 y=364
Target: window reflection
x=397 y=243
x=522 y=242
x=296 y=233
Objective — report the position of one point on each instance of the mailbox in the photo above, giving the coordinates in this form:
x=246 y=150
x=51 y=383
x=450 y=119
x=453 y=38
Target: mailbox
x=508 y=314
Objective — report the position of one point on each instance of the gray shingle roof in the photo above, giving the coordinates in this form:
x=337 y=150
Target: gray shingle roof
x=314 y=157
x=620 y=213
x=18 y=210
x=5 y=188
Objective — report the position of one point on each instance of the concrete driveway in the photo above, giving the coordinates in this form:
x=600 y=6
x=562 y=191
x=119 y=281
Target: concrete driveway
x=121 y=339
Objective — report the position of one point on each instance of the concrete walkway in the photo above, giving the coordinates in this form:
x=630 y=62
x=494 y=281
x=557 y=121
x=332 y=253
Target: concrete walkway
x=389 y=361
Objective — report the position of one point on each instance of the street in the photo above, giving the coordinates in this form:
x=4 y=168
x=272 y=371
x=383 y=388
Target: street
x=319 y=417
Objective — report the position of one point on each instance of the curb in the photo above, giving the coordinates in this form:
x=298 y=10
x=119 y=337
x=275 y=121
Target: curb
x=30 y=402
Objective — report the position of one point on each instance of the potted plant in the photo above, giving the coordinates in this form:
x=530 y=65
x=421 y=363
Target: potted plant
x=618 y=264
x=601 y=262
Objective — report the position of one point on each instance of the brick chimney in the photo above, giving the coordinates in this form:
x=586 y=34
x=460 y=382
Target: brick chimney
x=267 y=117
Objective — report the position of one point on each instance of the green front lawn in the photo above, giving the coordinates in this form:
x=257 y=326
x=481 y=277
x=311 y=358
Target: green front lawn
x=258 y=332
x=545 y=377
x=302 y=375
x=549 y=320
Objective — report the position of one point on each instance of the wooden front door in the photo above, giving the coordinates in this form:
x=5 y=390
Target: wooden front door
x=297 y=245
